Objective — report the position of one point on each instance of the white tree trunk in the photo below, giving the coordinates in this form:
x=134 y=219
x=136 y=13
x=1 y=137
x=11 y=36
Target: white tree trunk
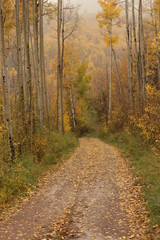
x=26 y=27
x=19 y=58
x=42 y=65
x=136 y=53
x=7 y=108
x=72 y=106
x=110 y=87
x=58 y=58
x=129 y=55
x=141 y=51
x=36 y=55
x=61 y=70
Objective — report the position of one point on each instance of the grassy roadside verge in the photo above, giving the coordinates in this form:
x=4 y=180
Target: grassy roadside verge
x=16 y=180
x=147 y=167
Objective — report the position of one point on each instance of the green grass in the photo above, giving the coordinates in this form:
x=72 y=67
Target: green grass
x=146 y=167
x=18 y=178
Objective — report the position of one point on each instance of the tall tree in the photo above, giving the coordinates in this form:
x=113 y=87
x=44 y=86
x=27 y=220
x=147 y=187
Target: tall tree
x=136 y=53
x=130 y=77
x=19 y=58
x=36 y=61
x=26 y=29
x=107 y=18
x=67 y=19
x=141 y=52
x=59 y=24
x=41 y=56
x=7 y=108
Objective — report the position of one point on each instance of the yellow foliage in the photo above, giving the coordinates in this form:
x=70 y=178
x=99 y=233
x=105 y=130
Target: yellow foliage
x=39 y=146
x=149 y=123
x=67 y=126
x=108 y=40
x=105 y=129
x=109 y=14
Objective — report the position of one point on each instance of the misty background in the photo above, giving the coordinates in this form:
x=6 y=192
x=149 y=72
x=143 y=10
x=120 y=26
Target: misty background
x=90 y=6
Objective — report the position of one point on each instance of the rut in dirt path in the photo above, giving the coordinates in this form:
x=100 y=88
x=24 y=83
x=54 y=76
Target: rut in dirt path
x=95 y=188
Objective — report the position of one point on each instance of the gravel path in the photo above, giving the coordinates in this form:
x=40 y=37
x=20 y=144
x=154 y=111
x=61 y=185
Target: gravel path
x=91 y=196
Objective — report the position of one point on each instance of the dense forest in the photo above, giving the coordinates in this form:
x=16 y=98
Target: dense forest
x=66 y=74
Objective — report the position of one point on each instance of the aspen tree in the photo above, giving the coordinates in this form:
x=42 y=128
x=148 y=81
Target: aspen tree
x=58 y=57
x=130 y=77
x=36 y=56
x=19 y=58
x=72 y=105
x=159 y=15
x=107 y=18
x=4 y=75
x=136 y=53
x=110 y=90
x=41 y=58
x=61 y=67
x=64 y=16
x=43 y=62
x=26 y=29
x=63 y=13
x=142 y=50
x=34 y=74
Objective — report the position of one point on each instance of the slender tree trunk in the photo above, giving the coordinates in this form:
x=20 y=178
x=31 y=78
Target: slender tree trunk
x=26 y=26
x=141 y=50
x=19 y=58
x=20 y=80
x=28 y=75
x=158 y=49
x=136 y=54
x=36 y=26
x=58 y=59
x=107 y=93
x=7 y=108
x=41 y=58
x=45 y=92
x=101 y=90
x=43 y=65
x=35 y=36
x=25 y=53
x=139 y=57
x=72 y=106
x=61 y=73
x=110 y=90
x=129 y=55
x=159 y=15
x=34 y=74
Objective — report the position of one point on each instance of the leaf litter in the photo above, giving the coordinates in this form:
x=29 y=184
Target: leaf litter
x=92 y=195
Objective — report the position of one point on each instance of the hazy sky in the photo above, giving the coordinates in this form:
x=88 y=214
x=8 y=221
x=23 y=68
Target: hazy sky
x=87 y=5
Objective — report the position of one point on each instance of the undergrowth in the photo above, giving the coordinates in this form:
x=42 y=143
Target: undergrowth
x=18 y=178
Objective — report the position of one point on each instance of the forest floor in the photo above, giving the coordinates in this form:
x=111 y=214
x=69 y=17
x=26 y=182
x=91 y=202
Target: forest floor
x=92 y=195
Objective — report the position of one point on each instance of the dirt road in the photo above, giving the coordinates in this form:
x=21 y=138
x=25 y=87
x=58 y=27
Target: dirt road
x=91 y=196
